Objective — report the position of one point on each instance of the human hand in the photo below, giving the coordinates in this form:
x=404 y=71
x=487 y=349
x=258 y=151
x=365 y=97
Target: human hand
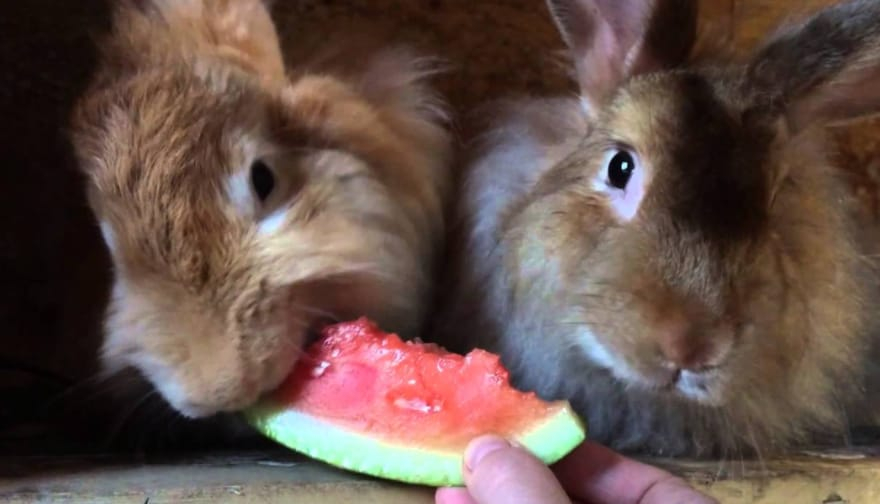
x=497 y=473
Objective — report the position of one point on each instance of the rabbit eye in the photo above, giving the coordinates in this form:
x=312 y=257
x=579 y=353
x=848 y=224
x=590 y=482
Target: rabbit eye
x=262 y=179
x=620 y=169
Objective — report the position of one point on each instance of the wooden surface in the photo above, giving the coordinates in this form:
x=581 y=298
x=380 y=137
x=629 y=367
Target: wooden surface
x=278 y=477
x=242 y=478
x=819 y=478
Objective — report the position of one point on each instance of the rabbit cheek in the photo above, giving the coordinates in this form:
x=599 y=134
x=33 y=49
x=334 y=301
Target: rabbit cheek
x=109 y=236
x=188 y=355
x=207 y=380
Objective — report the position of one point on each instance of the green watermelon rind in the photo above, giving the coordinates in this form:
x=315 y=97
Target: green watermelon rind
x=549 y=439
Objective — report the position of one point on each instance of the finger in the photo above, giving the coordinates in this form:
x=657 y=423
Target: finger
x=597 y=474
x=453 y=496
x=498 y=473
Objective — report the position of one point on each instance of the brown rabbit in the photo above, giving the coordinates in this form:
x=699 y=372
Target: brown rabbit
x=244 y=201
x=671 y=251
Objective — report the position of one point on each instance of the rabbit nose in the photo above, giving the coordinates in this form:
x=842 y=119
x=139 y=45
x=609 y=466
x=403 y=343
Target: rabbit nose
x=681 y=343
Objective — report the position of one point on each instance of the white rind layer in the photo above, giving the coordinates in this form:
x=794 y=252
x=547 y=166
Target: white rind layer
x=550 y=439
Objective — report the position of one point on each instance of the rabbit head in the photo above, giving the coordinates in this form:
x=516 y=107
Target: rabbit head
x=243 y=203
x=676 y=257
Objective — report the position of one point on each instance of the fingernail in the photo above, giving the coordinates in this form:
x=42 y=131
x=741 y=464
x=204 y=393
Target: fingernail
x=481 y=447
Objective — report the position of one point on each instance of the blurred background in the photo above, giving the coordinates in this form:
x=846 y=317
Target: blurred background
x=54 y=271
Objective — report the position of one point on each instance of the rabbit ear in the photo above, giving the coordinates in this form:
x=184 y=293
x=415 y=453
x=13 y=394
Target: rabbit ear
x=242 y=29
x=612 y=40
x=823 y=71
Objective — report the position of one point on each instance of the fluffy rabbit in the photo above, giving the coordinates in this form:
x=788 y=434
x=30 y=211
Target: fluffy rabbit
x=671 y=251
x=244 y=200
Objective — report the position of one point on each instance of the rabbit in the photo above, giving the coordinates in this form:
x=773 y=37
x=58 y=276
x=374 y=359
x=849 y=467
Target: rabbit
x=671 y=249
x=246 y=200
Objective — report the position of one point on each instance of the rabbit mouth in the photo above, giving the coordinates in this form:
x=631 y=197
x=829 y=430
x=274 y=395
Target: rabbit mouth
x=702 y=386
x=314 y=330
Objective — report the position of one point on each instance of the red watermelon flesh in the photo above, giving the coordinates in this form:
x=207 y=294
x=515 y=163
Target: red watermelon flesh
x=405 y=410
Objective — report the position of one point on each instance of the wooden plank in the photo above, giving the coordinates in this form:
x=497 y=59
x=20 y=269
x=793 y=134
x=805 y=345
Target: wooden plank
x=850 y=477
x=813 y=478
x=235 y=478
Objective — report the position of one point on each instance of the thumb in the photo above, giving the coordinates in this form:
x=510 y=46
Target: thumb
x=498 y=473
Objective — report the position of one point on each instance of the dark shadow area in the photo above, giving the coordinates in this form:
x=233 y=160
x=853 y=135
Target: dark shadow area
x=52 y=263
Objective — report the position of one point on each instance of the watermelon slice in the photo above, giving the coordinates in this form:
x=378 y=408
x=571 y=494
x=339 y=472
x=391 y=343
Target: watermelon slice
x=369 y=402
